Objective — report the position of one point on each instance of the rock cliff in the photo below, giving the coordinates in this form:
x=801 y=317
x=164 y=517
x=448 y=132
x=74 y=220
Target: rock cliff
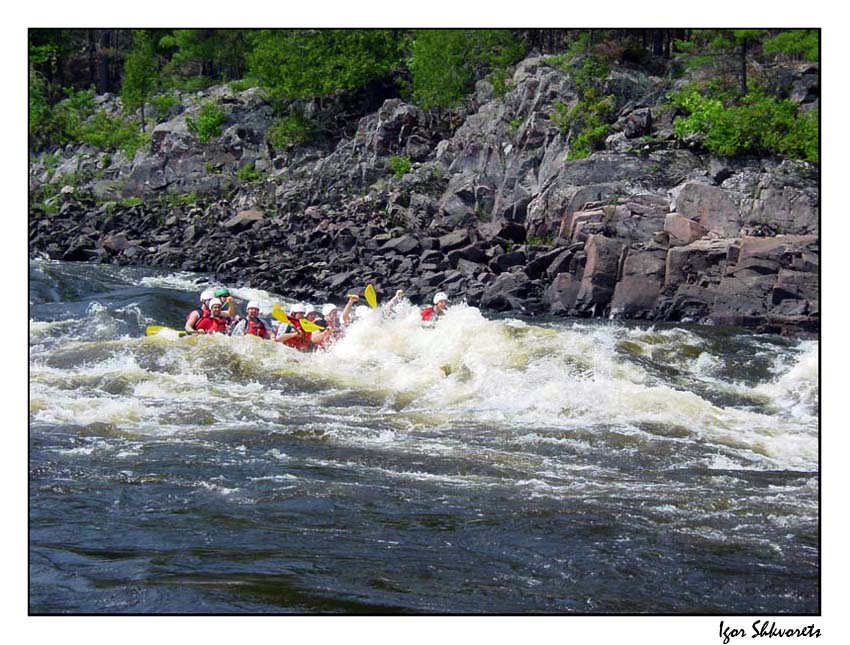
x=489 y=210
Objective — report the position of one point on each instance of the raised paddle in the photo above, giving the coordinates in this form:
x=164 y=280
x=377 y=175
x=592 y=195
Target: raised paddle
x=306 y=325
x=371 y=296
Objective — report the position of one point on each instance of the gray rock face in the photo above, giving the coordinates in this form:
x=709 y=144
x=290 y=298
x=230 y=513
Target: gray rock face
x=490 y=208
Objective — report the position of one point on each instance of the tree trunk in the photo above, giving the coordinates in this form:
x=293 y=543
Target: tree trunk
x=91 y=56
x=103 y=80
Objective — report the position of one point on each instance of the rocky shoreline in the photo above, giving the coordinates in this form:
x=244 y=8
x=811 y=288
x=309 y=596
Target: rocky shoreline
x=483 y=206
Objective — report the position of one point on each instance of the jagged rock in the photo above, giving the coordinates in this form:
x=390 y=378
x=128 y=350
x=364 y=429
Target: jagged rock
x=715 y=209
x=638 y=123
x=607 y=220
x=505 y=292
x=643 y=278
x=243 y=220
x=703 y=259
x=454 y=240
x=682 y=231
x=502 y=263
x=116 y=243
x=404 y=245
x=471 y=253
x=502 y=229
x=600 y=274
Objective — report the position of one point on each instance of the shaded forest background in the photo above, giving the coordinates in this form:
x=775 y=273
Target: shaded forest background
x=733 y=104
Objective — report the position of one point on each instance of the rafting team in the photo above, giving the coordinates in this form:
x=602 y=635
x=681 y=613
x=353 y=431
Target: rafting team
x=217 y=315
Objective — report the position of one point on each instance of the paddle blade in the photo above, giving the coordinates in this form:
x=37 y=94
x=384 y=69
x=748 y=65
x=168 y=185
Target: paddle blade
x=279 y=314
x=152 y=330
x=310 y=326
x=371 y=296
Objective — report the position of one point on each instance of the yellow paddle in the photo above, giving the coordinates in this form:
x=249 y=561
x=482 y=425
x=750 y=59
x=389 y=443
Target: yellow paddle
x=371 y=296
x=155 y=329
x=306 y=325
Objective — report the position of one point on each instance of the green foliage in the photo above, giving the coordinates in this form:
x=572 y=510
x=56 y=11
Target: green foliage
x=140 y=73
x=208 y=124
x=288 y=131
x=213 y=52
x=130 y=202
x=760 y=124
x=243 y=84
x=190 y=83
x=804 y=43
x=310 y=63
x=540 y=240
x=588 y=123
x=515 y=124
x=63 y=123
x=112 y=133
x=247 y=174
x=39 y=108
x=444 y=63
x=162 y=104
x=400 y=166
x=498 y=79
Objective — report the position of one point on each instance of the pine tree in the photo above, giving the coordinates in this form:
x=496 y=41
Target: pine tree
x=140 y=74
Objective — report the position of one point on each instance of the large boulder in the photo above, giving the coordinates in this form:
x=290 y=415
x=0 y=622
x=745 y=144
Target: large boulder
x=600 y=274
x=717 y=210
x=643 y=278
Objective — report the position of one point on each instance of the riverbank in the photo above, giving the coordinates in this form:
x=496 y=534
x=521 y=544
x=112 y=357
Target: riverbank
x=482 y=204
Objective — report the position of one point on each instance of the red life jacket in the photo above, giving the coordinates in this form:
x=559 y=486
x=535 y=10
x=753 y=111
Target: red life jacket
x=212 y=323
x=427 y=313
x=330 y=338
x=256 y=328
x=301 y=342
x=203 y=312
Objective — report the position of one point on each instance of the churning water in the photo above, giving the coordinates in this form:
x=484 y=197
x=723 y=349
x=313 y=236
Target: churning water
x=480 y=466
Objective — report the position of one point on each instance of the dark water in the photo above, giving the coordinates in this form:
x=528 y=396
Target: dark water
x=485 y=466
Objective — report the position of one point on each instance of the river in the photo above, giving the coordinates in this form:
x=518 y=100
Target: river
x=487 y=465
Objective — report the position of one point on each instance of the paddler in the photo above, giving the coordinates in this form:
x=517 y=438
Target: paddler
x=441 y=301
x=228 y=306
x=387 y=309
x=333 y=327
x=292 y=334
x=346 y=312
x=215 y=323
x=196 y=314
x=252 y=324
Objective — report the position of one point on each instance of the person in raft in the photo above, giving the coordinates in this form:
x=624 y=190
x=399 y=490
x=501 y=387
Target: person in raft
x=228 y=306
x=441 y=301
x=196 y=314
x=252 y=324
x=333 y=327
x=292 y=334
x=387 y=308
x=215 y=323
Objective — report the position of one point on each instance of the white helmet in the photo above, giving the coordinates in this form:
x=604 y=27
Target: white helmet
x=298 y=309
x=309 y=309
x=207 y=295
x=253 y=304
x=327 y=309
x=214 y=302
x=440 y=296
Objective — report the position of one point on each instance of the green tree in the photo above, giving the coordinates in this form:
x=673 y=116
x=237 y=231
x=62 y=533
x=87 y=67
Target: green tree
x=445 y=63
x=306 y=64
x=207 y=52
x=726 y=50
x=798 y=43
x=140 y=74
